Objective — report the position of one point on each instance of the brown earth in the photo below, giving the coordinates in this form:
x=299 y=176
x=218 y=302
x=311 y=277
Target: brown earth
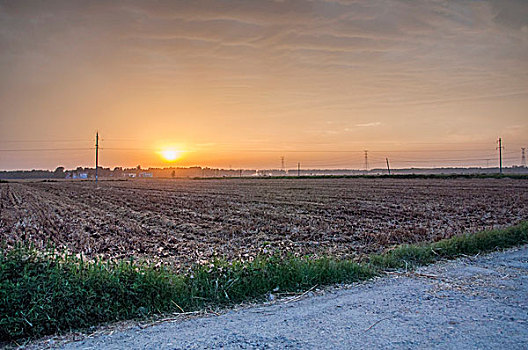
x=186 y=221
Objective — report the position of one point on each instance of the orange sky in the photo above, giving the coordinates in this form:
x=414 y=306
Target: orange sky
x=242 y=83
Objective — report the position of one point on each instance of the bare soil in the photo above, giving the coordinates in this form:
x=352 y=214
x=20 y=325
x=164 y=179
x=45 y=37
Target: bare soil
x=181 y=222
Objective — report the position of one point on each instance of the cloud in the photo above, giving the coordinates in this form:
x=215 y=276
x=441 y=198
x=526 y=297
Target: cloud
x=368 y=125
x=262 y=65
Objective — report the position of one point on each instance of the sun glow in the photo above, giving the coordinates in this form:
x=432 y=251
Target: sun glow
x=170 y=155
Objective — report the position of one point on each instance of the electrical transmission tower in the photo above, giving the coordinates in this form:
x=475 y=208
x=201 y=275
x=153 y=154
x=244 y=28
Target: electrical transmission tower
x=523 y=157
x=366 y=160
x=282 y=164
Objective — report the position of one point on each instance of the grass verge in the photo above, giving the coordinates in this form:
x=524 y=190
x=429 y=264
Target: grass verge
x=49 y=292
x=412 y=255
x=46 y=293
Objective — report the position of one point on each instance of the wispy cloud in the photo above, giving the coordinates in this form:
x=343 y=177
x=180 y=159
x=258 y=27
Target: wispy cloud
x=368 y=125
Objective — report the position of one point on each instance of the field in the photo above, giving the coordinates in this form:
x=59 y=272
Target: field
x=181 y=222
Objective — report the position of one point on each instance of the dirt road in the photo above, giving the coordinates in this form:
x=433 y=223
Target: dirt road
x=471 y=303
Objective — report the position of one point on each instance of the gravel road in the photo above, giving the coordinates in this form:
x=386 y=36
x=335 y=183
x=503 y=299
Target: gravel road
x=471 y=303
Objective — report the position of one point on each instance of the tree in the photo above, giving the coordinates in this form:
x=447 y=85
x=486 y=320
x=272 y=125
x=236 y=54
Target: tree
x=59 y=172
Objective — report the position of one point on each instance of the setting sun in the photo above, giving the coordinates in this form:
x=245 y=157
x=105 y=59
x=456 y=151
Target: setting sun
x=171 y=155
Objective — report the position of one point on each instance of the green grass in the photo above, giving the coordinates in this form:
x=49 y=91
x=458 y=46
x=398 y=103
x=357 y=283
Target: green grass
x=50 y=292
x=422 y=254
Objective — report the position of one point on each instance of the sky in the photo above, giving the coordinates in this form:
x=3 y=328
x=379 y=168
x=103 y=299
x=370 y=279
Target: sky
x=242 y=83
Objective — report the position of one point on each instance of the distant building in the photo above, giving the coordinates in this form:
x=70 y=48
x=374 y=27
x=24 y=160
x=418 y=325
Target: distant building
x=145 y=174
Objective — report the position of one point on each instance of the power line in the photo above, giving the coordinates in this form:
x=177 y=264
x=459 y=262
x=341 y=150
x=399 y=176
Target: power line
x=441 y=159
x=42 y=141
x=253 y=150
x=45 y=149
x=348 y=151
x=449 y=160
x=126 y=149
x=430 y=150
x=340 y=159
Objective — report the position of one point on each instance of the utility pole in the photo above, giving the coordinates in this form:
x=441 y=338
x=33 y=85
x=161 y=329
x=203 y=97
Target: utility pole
x=523 y=157
x=500 y=155
x=366 y=160
x=282 y=163
x=388 y=167
x=299 y=169
x=96 y=155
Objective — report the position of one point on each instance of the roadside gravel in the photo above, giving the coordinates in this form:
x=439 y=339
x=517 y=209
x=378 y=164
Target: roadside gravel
x=470 y=303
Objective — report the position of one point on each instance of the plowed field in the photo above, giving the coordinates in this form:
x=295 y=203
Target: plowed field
x=186 y=221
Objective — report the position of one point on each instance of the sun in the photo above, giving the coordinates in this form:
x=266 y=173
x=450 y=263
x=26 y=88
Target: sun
x=171 y=155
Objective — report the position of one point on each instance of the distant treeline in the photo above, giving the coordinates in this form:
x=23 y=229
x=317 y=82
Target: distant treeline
x=29 y=174
x=199 y=172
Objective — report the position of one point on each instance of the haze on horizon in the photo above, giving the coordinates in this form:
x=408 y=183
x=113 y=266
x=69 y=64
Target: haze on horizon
x=242 y=83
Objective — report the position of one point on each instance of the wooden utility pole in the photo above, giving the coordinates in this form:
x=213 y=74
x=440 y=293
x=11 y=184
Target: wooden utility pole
x=388 y=167
x=298 y=169
x=96 y=155
x=500 y=155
